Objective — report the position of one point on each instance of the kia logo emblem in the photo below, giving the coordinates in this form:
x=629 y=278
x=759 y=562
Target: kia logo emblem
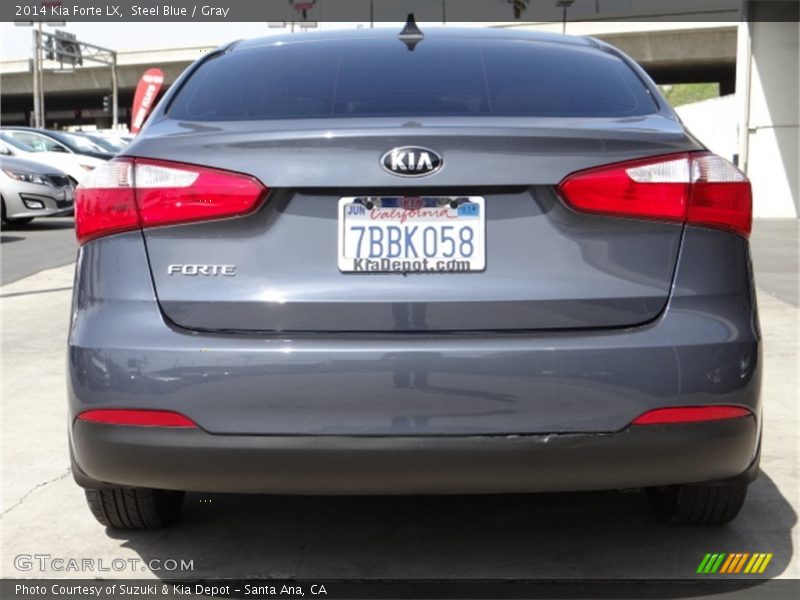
x=411 y=161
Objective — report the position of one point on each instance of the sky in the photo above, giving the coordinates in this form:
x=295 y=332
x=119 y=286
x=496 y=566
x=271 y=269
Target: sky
x=17 y=41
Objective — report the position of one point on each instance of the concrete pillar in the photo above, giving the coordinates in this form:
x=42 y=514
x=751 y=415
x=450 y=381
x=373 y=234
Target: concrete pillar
x=768 y=85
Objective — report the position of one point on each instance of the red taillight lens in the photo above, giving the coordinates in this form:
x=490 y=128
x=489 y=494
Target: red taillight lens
x=721 y=195
x=105 y=202
x=636 y=189
x=137 y=417
x=126 y=194
x=698 y=188
x=690 y=414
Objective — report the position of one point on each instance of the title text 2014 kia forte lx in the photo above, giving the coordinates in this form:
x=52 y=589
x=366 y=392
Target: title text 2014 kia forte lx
x=458 y=262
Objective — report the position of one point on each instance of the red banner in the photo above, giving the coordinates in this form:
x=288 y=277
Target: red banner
x=145 y=97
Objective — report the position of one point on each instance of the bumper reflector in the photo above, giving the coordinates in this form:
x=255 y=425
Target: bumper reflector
x=690 y=414
x=140 y=418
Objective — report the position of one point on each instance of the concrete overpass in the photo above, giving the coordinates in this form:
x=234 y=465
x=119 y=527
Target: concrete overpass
x=677 y=53
x=671 y=52
x=76 y=97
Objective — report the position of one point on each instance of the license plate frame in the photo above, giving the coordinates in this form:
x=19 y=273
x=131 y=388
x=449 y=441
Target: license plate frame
x=368 y=238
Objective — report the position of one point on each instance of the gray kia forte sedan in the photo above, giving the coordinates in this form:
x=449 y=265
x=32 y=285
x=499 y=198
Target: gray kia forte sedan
x=370 y=263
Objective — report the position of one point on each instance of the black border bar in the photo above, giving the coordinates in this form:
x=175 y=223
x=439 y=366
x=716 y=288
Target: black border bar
x=731 y=588
x=385 y=11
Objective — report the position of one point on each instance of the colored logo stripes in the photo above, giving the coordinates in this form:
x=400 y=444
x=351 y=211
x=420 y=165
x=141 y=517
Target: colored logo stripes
x=735 y=562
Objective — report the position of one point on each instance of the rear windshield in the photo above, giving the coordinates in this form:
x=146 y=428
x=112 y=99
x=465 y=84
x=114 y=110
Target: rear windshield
x=382 y=78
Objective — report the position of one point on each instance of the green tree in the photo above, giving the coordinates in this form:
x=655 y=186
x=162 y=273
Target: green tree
x=686 y=93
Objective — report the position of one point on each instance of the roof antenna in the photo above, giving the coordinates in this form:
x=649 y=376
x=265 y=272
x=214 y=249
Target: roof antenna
x=411 y=34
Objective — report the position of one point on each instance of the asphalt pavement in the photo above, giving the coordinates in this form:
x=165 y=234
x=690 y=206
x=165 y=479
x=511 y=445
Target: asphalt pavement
x=776 y=259
x=39 y=245
x=578 y=535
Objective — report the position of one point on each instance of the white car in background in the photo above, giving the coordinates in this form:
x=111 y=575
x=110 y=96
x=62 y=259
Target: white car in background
x=111 y=141
x=77 y=166
x=30 y=189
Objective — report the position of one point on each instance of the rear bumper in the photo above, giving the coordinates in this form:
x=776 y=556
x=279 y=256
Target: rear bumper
x=388 y=413
x=193 y=460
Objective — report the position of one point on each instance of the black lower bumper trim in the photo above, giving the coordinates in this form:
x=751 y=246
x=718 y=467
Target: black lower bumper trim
x=194 y=460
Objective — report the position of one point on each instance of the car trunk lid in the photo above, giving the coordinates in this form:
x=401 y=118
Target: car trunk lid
x=547 y=266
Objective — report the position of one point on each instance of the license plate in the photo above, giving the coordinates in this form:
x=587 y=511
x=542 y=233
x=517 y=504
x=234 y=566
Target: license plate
x=403 y=234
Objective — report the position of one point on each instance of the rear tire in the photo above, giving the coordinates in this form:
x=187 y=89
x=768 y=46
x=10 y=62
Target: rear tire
x=134 y=508
x=698 y=504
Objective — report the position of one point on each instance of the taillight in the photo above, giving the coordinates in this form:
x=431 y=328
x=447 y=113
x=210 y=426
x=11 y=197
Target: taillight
x=126 y=193
x=105 y=202
x=698 y=188
x=690 y=414
x=136 y=417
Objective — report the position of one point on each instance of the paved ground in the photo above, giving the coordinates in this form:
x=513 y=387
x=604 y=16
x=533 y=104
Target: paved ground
x=593 y=535
x=776 y=257
x=42 y=244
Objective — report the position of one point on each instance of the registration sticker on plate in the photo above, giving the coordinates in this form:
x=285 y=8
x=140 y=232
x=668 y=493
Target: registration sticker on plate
x=404 y=234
